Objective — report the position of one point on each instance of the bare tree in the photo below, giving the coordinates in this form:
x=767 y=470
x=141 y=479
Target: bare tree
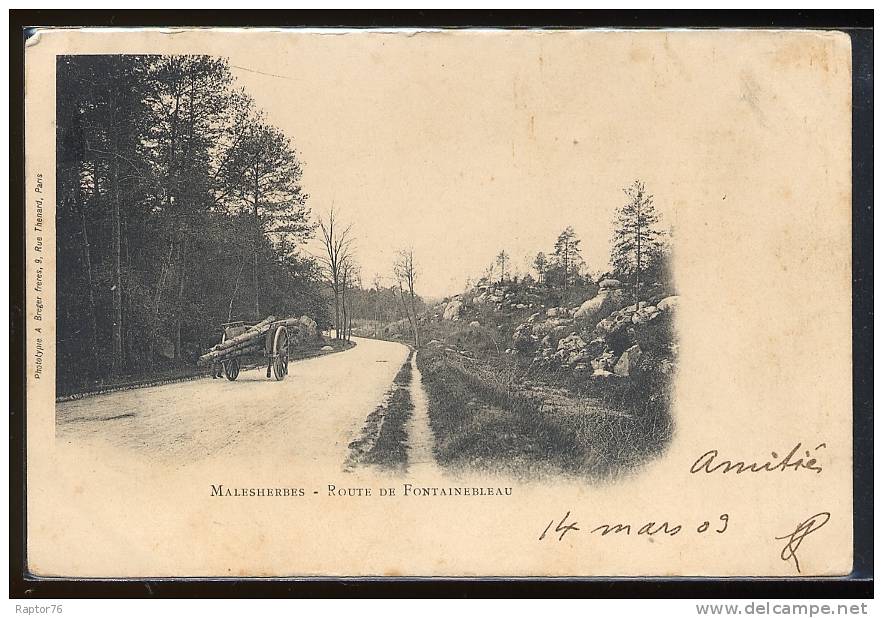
x=338 y=244
x=344 y=304
x=406 y=273
x=378 y=308
x=350 y=280
x=352 y=283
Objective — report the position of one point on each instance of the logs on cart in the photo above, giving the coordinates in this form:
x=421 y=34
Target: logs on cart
x=253 y=340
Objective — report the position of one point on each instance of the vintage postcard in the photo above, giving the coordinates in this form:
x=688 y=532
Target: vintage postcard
x=438 y=303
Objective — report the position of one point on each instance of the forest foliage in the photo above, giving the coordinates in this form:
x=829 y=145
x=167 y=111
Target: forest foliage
x=179 y=208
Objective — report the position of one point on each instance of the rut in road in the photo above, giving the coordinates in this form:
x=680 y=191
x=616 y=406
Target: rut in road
x=421 y=443
x=396 y=436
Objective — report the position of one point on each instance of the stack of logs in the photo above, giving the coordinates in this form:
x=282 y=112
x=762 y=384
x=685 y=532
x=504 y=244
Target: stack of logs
x=252 y=341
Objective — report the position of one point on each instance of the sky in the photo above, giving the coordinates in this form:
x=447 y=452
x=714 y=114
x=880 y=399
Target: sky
x=462 y=145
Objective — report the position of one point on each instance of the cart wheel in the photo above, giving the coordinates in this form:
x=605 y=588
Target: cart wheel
x=231 y=368
x=280 y=353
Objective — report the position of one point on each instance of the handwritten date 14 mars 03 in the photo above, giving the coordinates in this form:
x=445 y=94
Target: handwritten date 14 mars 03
x=568 y=524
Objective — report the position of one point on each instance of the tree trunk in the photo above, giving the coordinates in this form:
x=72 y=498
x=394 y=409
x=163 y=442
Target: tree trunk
x=414 y=311
x=235 y=289
x=173 y=138
x=179 y=313
x=411 y=322
x=257 y=240
x=87 y=260
x=638 y=261
x=399 y=305
x=350 y=326
x=157 y=300
x=117 y=316
x=343 y=306
x=336 y=308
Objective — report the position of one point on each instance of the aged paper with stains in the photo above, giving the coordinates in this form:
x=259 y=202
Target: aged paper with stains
x=459 y=145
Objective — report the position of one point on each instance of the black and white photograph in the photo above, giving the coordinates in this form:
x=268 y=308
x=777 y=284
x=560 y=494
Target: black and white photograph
x=439 y=303
x=194 y=249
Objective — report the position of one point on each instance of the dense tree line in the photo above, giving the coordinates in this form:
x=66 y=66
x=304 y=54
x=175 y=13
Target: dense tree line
x=179 y=208
x=375 y=306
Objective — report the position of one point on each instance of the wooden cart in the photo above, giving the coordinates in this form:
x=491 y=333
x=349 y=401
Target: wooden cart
x=275 y=348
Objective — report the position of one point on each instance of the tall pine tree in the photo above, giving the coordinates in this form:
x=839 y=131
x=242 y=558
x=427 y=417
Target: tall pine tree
x=638 y=243
x=567 y=256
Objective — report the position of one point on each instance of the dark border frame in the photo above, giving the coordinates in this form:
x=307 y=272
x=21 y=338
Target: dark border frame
x=859 y=26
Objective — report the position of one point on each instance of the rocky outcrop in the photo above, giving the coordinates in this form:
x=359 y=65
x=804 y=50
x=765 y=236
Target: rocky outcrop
x=628 y=361
x=453 y=310
x=624 y=342
x=571 y=350
x=558 y=312
x=504 y=297
x=541 y=334
x=609 y=299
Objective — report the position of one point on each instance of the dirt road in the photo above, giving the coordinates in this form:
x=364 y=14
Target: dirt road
x=308 y=418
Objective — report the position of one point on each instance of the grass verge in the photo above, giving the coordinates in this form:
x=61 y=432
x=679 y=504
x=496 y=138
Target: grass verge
x=481 y=416
x=384 y=438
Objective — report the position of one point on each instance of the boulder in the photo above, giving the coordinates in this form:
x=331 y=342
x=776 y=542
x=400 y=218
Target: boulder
x=523 y=338
x=615 y=322
x=596 y=309
x=645 y=314
x=610 y=284
x=453 y=310
x=556 y=333
x=540 y=329
x=572 y=342
x=474 y=324
x=669 y=303
x=627 y=363
x=571 y=350
x=327 y=348
x=308 y=327
x=558 y=312
x=657 y=336
x=595 y=347
x=603 y=364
